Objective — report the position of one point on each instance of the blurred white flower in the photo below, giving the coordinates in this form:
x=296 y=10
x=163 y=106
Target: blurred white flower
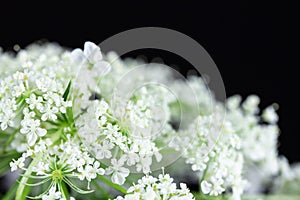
x=70 y=113
x=206 y=187
x=52 y=195
x=91 y=57
x=17 y=164
x=269 y=115
x=118 y=172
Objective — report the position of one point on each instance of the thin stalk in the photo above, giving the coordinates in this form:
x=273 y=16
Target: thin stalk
x=21 y=191
x=113 y=185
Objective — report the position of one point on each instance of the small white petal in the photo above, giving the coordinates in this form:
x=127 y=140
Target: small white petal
x=24 y=130
x=118 y=178
x=41 y=132
x=90 y=50
x=102 y=68
x=3 y=126
x=101 y=171
x=31 y=138
x=44 y=117
x=206 y=187
x=97 y=56
x=77 y=56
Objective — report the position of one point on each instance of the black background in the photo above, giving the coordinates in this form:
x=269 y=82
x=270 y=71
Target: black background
x=253 y=44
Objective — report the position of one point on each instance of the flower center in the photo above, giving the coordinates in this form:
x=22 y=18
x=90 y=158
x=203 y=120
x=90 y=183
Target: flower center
x=56 y=175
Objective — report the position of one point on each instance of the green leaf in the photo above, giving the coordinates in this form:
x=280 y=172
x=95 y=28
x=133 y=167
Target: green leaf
x=4 y=165
x=70 y=114
x=12 y=154
x=67 y=91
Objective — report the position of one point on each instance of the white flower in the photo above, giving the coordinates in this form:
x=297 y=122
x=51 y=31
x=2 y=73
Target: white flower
x=151 y=188
x=166 y=185
x=49 y=112
x=34 y=102
x=270 y=115
x=92 y=57
x=126 y=130
x=217 y=188
x=233 y=102
x=206 y=187
x=43 y=84
x=41 y=168
x=64 y=105
x=28 y=114
x=52 y=195
x=90 y=172
x=6 y=119
x=101 y=132
x=250 y=105
x=102 y=108
x=103 y=151
x=144 y=164
x=18 y=90
x=17 y=164
x=131 y=157
x=258 y=140
x=119 y=173
x=32 y=129
x=218 y=158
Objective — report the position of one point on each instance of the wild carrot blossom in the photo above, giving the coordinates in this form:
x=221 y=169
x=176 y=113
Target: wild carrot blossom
x=149 y=187
x=75 y=119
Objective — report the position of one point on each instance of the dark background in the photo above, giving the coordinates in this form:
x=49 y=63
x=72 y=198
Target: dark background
x=253 y=44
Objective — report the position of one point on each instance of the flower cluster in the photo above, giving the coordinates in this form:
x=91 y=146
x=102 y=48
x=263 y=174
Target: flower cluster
x=125 y=137
x=259 y=135
x=61 y=162
x=151 y=188
x=75 y=117
x=31 y=99
x=287 y=183
x=92 y=66
x=36 y=112
x=212 y=148
x=54 y=194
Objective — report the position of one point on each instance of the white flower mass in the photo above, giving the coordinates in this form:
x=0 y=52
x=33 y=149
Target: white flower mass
x=77 y=118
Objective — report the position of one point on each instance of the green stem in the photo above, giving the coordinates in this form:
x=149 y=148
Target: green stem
x=103 y=191
x=22 y=191
x=64 y=190
x=113 y=185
